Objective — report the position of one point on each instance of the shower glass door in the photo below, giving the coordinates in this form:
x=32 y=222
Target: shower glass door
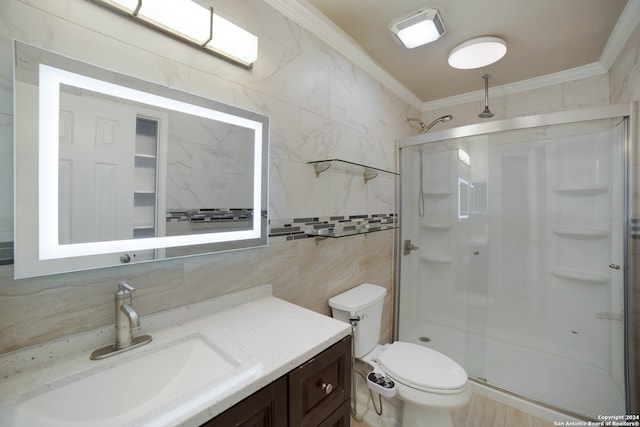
x=519 y=273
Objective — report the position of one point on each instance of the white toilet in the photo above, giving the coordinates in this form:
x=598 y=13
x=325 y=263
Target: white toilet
x=429 y=384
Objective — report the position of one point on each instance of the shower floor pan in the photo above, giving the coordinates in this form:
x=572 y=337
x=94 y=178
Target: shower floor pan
x=557 y=381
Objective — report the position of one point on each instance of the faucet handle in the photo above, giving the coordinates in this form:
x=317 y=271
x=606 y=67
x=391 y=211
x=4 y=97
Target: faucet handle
x=125 y=287
x=125 y=292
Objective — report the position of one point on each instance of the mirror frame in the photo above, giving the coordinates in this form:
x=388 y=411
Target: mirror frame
x=49 y=70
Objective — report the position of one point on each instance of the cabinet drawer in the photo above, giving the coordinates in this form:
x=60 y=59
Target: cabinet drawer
x=321 y=385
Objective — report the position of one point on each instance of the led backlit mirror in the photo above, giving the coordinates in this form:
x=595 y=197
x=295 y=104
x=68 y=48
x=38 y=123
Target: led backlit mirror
x=113 y=170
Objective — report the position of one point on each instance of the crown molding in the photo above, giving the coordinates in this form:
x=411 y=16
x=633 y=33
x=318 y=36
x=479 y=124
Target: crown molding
x=309 y=18
x=626 y=24
x=583 y=72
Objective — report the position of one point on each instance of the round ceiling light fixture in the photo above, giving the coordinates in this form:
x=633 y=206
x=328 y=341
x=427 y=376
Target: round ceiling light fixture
x=477 y=52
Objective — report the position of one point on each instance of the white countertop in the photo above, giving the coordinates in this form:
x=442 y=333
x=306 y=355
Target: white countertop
x=267 y=335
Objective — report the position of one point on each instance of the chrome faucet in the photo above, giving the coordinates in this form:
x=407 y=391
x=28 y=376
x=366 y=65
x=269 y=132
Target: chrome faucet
x=127 y=321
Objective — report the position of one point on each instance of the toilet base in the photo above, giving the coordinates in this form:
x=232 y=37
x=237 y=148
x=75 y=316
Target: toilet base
x=419 y=416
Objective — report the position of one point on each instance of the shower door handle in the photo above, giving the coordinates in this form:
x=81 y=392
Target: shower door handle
x=409 y=247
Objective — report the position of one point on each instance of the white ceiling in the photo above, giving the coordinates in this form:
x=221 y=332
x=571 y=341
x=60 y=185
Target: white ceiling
x=543 y=37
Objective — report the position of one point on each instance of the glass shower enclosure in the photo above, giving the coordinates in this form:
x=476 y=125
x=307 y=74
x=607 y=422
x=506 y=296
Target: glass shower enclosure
x=512 y=258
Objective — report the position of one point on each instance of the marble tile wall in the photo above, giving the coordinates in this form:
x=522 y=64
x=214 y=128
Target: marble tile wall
x=304 y=272
x=625 y=71
x=204 y=157
x=320 y=106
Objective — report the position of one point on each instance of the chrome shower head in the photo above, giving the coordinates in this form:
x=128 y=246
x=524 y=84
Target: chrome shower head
x=486 y=114
x=424 y=127
x=442 y=119
x=420 y=122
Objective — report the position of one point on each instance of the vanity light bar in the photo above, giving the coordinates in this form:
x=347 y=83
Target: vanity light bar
x=196 y=24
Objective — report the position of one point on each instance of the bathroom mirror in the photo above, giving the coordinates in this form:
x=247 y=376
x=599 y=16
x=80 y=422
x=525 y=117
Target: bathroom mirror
x=113 y=170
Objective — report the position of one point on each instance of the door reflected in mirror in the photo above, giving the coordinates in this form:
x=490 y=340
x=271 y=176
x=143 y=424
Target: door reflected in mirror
x=129 y=171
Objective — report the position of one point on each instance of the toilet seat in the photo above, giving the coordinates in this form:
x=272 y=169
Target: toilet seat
x=422 y=368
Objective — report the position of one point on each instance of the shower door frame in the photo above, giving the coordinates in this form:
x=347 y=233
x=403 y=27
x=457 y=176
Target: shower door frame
x=628 y=112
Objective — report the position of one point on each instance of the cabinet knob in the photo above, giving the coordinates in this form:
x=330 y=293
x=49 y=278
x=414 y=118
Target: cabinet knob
x=327 y=388
x=125 y=258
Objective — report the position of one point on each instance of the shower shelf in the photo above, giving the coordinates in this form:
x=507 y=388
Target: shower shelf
x=581 y=233
x=435 y=224
x=368 y=172
x=438 y=194
x=593 y=190
x=437 y=259
x=581 y=276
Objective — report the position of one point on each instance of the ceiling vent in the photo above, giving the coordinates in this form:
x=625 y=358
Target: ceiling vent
x=420 y=28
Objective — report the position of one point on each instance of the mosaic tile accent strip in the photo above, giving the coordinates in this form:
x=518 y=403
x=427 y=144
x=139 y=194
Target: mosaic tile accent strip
x=6 y=253
x=302 y=228
x=634 y=228
x=292 y=229
x=213 y=214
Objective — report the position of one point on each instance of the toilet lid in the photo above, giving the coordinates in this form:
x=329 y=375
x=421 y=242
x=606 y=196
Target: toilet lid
x=422 y=367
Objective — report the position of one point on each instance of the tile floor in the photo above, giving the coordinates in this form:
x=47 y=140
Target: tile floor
x=484 y=412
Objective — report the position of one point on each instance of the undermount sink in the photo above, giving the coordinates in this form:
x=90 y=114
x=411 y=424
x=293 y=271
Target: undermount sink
x=136 y=389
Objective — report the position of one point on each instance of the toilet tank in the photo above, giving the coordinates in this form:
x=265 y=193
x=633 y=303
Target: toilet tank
x=365 y=301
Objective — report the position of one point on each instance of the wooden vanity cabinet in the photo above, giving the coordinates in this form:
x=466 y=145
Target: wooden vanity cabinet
x=320 y=386
x=265 y=408
x=315 y=394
